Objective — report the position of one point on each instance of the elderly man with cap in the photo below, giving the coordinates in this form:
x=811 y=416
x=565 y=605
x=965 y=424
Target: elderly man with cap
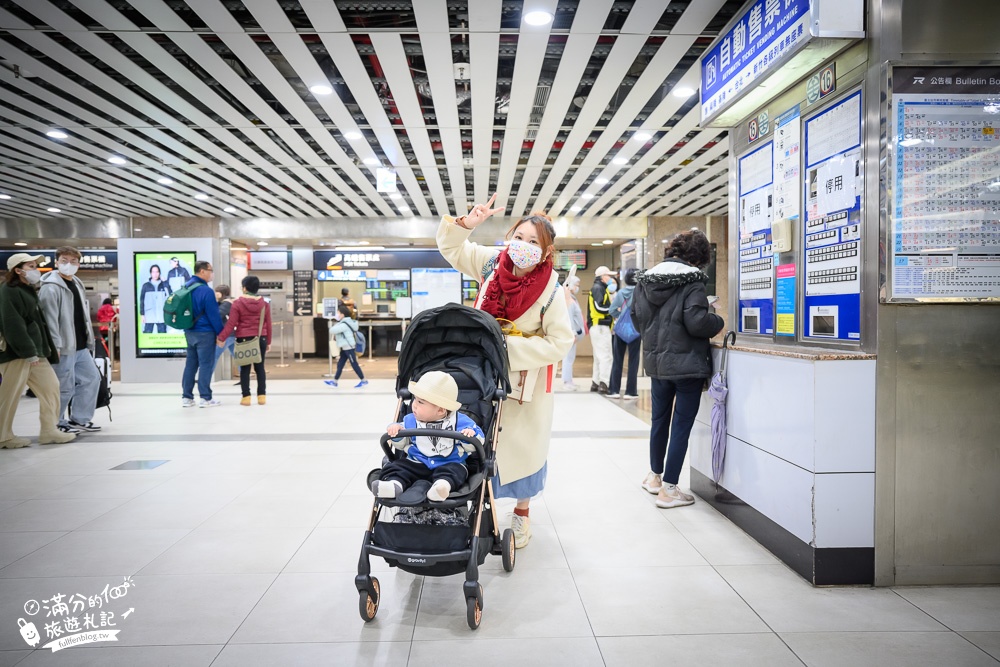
x=599 y=317
x=26 y=352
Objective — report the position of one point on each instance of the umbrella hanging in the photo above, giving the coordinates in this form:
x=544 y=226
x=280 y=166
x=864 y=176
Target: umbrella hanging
x=718 y=390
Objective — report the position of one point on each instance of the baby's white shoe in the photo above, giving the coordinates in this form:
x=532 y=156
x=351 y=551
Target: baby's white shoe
x=439 y=490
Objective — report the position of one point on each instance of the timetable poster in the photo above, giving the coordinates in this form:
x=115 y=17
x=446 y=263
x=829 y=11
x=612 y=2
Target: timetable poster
x=756 y=261
x=834 y=188
x=944 y=234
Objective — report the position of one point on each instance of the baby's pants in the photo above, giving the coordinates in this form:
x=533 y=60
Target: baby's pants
x=406 y=472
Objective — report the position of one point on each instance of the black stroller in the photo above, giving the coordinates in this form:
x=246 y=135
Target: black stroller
x=469 y=345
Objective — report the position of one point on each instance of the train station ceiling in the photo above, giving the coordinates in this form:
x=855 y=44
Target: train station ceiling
x=313 y=108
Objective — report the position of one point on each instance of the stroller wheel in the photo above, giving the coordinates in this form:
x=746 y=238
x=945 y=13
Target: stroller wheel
x=509 y=550
x=474 y=609
x=368 y=605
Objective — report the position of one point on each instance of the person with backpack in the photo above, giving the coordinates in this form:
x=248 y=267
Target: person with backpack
x=249 y=318
x=223 y=296
x=343 y=333
x=196 y=300
x=624 y=338
x=64 y=302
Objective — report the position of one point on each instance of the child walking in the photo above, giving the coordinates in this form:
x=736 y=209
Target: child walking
x=343 y=331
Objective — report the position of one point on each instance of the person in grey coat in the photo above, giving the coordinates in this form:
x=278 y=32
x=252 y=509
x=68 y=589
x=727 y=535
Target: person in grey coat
x=670 y=309
x=63 y=301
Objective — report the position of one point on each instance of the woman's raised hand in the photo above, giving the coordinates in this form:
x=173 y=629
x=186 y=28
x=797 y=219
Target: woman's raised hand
x=480 y=212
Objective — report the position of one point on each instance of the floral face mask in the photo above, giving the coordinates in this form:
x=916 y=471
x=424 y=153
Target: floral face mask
x=524 y=255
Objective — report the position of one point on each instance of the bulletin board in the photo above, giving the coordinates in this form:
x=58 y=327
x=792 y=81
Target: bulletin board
x=755 y=202
x=944 y=219
x=832 y=227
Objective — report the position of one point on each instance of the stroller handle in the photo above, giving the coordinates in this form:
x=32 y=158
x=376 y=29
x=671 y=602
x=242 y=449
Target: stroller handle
x=434 y=433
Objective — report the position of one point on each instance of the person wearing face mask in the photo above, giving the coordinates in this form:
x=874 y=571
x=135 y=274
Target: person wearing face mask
x=598 y=311
x=64 y=304
x=576 y=323
x=153 y=295
x=26 y=352
x=520 y=288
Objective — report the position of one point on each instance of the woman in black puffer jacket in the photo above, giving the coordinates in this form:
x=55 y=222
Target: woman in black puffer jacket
x=671 y=311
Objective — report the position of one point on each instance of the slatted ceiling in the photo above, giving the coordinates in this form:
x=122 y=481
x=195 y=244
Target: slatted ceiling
x=694 y=193
x=664 y=181
x=214 y=94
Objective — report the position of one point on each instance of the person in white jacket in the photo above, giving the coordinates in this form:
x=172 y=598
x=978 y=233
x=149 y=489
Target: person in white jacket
x=63 y=301
x=519 y=287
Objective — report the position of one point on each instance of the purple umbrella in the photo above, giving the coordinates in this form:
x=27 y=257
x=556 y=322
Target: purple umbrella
x=718 y=390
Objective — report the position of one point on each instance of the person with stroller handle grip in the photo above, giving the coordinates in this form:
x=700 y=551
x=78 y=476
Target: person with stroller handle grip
x=441 y=460
x=519 y=287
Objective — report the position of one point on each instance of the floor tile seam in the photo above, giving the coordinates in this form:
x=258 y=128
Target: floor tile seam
x=253 y=608
x=64 y=534
x=222 y=647
x=922 y=611
x=576 y=586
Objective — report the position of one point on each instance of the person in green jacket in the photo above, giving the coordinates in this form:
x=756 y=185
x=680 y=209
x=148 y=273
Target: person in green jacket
x=26 y=354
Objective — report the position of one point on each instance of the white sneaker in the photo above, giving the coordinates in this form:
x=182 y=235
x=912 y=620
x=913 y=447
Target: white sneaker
x=569 y=386
x=653 y=482
x=187 y=403
x=210 y=403
x=671 y=496
x=521 y=525
x=615 y=395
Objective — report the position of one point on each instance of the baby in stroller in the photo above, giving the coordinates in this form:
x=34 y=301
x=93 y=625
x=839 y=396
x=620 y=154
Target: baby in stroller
x=430 y=461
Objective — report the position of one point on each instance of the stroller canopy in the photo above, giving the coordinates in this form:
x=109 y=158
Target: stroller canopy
x=462 y=341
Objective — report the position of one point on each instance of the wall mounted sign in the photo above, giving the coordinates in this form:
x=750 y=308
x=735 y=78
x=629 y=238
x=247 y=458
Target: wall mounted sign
x=335 y=260
x=93 y=260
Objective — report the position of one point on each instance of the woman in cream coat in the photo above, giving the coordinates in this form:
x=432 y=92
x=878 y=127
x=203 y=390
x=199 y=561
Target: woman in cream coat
x=521 y=286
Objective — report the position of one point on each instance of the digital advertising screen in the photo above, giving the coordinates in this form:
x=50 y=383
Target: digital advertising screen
x=157 y=276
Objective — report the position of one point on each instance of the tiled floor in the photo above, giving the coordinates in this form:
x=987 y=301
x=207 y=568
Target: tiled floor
x=243 y=548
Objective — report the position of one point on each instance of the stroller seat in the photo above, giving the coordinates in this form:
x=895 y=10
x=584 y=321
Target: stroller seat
x=456 y=498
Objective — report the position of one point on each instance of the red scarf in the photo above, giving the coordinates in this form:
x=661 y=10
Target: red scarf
x=519 y=293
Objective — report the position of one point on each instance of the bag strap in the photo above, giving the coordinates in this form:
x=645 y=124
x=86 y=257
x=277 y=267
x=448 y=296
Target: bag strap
x=260 y=325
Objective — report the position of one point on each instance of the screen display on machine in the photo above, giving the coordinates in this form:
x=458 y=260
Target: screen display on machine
x=157 y=276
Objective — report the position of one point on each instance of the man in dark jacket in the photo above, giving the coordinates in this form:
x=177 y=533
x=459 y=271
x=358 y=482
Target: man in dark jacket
x=671 y=311
x=598 y=307
x=201 y=339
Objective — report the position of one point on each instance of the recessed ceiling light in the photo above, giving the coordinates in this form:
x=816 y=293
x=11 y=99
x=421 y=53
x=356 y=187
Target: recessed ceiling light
x=576 y=209
x=597 y=244
x=229 y=209
x=201 y=196
x=683 y=91
x=607 y=241
x=404 y=209
x=642 y=136
x=601 y=181
x=54 y=210
x=137 y=229
x=538 y=18
x=586 y=195
x=166 y=236
x=165 y=181
x=353 y=135
x=57 y=134
x=395 y=195
x=117 y=159
x=371 y=161
x=619 y=160
x=364 y=242
x=320 y=90
x=4 y=196
x=260 y=243
x=20 y=244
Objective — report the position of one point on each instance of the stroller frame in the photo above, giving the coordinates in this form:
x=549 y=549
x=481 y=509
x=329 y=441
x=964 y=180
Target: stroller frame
x=401 y=544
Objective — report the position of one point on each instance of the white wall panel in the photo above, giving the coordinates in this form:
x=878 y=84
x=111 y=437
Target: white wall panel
x=845 y=510
x=845 y=416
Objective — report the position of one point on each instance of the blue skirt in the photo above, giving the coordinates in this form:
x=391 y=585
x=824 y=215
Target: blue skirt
x=525 y=487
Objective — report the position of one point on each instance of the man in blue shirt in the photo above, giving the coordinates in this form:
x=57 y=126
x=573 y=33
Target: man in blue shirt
x=201 y=339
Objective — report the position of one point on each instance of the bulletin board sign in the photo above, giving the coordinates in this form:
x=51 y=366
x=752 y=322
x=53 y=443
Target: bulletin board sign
x=755 y=203
x=832 y=229
x=157 y=276
x=944 y=174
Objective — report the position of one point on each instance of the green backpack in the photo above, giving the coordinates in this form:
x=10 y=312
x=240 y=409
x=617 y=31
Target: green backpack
x=178 y=311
